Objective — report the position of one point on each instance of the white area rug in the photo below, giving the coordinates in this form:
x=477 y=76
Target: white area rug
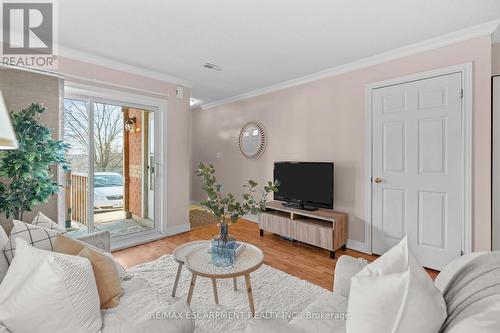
x=273 y=290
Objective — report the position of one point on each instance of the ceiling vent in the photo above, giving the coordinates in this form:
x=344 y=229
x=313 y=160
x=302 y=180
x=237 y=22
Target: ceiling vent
x=212 y=66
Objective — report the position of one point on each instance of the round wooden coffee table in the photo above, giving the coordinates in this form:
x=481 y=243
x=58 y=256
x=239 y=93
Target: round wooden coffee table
x=199 y=262
x=180 y=254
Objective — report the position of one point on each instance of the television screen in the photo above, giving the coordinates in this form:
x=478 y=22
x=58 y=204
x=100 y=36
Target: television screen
x=307 y=183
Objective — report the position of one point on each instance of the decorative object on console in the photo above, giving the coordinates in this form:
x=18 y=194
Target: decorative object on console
x=226 y=208
x=7 y=135
x=30 y=180
x=252 y=140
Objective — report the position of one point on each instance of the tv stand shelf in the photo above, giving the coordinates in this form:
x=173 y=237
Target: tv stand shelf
x=323 y=228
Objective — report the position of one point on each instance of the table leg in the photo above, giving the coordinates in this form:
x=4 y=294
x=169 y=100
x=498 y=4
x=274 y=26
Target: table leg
x=250 y=294
x=216 y=295
x=235 y=284
x=177 y=276
x=191 y=287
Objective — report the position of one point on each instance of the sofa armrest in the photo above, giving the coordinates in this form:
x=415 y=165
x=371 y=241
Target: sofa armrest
x=100 y=239
x=345 y=269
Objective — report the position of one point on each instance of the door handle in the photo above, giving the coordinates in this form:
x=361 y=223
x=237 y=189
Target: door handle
x=378 y=180
x=151 y=172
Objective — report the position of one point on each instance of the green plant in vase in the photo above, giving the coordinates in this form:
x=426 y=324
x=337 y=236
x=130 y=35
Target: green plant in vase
x=227 y=209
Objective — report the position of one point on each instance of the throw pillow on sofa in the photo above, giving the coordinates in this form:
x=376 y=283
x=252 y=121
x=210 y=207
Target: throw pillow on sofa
x=395 y=294
x=38 y=237
x=106 y=277
x=41 y=220
x=68 y=245
x=49 y=292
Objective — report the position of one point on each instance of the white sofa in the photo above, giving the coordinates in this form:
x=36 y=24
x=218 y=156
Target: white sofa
x=483 y=316
x=140 y=308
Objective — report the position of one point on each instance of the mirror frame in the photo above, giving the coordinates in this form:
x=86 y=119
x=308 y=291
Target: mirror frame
x=263 y=139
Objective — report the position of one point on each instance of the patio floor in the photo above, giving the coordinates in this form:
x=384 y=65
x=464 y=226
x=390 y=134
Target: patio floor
x=114 y=222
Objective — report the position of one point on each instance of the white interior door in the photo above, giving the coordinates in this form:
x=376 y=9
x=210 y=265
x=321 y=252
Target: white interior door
x=418 y=167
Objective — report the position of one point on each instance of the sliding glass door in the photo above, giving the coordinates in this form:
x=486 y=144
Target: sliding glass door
x=111 y=185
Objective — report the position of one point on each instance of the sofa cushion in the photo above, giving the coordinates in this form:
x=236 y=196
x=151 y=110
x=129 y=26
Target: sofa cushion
x=38 y=237
x=393 y=294
x=327 y=314
x=141 y=310
x=41 y=285
x=4 y=264
x=482 y=316
x=445 y=276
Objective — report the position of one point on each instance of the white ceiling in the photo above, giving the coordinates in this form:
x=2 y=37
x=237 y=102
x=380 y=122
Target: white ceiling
x=258 y=43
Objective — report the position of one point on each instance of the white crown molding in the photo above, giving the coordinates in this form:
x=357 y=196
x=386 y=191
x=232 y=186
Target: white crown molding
x=483 y=29
x=495 y=38
x=120 y=66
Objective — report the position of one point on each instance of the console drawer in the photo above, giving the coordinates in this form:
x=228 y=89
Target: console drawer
x=315 y=234
x=278 y=224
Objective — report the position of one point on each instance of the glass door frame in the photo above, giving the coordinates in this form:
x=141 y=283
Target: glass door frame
x=122 y=99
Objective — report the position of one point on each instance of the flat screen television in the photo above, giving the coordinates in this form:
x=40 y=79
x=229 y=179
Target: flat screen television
x=305 y=185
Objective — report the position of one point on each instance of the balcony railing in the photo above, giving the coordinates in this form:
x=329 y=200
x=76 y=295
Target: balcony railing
x=79 y=197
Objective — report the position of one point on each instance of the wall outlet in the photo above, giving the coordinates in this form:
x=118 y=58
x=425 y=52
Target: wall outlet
x=218 y=155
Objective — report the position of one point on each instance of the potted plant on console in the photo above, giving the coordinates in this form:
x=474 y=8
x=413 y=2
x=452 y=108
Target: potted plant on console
x=227 y=210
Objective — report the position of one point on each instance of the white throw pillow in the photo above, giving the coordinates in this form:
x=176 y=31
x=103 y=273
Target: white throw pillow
x=4 y=264
x=35 y=236
x=395 y=294
x=49 y=292
x=41 y=220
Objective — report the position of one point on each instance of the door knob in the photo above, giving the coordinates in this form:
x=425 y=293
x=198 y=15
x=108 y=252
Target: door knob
x=378 y=180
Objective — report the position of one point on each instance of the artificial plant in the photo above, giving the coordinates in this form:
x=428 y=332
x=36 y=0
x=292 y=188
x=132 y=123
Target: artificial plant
x=28 y=172
x=226 y=207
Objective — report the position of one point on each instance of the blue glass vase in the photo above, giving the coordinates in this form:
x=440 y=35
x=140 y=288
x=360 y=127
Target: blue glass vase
x=223 y=248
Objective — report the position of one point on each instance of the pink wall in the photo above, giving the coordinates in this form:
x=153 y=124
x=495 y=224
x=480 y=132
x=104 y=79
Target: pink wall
x=495 y=59
x=176 y=124
x=325 y=121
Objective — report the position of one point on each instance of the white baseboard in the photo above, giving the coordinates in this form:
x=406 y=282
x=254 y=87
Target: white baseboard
x=178 y=229
x=358 y=246
x=137 y=240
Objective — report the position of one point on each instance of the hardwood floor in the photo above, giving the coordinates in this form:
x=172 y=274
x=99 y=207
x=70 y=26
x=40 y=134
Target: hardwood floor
x=301 y=260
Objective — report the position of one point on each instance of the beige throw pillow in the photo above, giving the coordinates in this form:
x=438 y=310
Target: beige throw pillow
x=106 y=277
x=68 y=245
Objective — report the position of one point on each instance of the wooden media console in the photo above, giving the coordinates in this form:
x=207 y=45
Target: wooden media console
x=323 y=228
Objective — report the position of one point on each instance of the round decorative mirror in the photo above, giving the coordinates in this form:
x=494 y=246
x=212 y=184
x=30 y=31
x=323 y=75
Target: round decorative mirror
x=253 y=140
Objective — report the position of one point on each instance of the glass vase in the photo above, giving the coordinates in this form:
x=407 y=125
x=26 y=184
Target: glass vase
x=223 y=247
